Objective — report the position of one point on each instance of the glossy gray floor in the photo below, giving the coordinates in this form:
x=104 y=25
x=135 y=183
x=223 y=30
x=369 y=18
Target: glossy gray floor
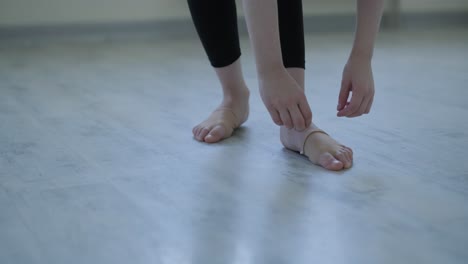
x=98 y=164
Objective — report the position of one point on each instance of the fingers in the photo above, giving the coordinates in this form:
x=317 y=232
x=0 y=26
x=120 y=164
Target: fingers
x=344 y=94
x=286 y=118
x=292 y=115
x=306 y=112
x=362 y=108
x=297 y=118
x=369 y=106
x=354 y=105
x=290 y=118
x=297 y=115
x=275 y=116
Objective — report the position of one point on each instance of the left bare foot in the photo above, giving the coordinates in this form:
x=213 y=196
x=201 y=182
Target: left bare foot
x=319 y=147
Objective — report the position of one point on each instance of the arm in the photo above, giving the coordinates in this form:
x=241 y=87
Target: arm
x=262 y=22
x=369 y=14
x=357 y=74
x=282 y=96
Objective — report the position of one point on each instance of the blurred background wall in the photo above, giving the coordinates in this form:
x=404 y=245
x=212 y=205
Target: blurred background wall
x=59 y=12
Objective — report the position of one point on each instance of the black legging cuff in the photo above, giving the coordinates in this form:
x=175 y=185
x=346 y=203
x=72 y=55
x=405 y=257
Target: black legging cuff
x=216 y=25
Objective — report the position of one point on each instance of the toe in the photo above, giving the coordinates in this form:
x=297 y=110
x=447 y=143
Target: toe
x=203 y=132
x=349 y=162
x=196 y=132
x=349 y=155
x=199 y=132
x=329 y=162
x=348 y=152
x=343 y=157
x=216 y=134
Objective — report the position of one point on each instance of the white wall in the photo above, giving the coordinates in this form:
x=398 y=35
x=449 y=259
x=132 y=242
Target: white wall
x=50 y=12
x=32 y=12
x=434 y=5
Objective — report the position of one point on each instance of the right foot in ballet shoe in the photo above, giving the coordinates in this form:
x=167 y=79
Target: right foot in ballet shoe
x=222 y=122
x=319 y=147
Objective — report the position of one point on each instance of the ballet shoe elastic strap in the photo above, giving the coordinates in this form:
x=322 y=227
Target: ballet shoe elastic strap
x=315 y=130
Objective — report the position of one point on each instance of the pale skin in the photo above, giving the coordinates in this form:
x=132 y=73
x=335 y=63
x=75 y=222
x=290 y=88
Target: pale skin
x=282 y=89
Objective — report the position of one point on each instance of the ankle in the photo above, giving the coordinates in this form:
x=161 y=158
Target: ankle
x=234 y=95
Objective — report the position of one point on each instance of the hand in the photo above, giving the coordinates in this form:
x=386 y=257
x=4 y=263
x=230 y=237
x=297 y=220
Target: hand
x=357 y=77
x=285 y=100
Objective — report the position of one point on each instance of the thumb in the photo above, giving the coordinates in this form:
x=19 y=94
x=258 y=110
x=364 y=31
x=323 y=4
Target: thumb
x=344 y=94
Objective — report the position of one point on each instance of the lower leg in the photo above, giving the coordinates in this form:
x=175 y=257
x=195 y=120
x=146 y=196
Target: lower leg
x=233 y=110
x=216 y=25
x=232 y=80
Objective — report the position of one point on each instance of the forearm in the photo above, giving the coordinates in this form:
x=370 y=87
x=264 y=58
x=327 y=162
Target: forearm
x=369 y=14
x=262 y=22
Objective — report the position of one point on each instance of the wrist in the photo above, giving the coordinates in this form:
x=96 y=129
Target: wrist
x=270 y=71
x=361 y=53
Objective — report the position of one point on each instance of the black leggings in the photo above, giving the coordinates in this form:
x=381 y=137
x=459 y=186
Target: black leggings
x=216 y=24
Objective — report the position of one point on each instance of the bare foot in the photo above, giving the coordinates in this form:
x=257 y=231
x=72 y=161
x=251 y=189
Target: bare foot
x=319 y=147
x=231 y=114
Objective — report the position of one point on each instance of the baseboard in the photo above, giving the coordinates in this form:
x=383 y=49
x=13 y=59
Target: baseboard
x=166 y=29
x=184 y=28
x=434 y=20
